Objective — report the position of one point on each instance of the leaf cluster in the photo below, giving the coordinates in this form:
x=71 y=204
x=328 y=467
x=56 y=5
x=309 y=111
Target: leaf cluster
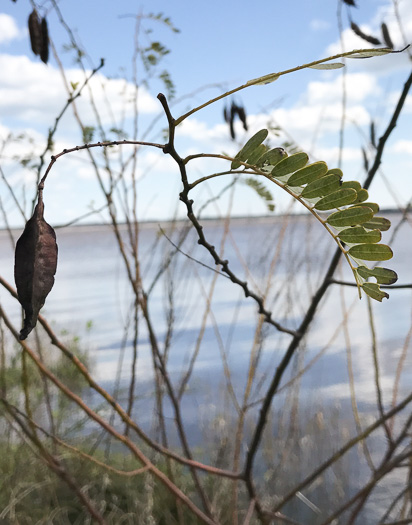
x=350 y=218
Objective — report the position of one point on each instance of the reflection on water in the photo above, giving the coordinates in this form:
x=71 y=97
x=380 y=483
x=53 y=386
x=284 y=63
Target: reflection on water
x=283 y=263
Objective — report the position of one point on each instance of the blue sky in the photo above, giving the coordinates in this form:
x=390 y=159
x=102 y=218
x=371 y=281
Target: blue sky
x=220 y=45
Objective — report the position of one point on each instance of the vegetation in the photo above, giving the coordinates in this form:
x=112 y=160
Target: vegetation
x=77 y=450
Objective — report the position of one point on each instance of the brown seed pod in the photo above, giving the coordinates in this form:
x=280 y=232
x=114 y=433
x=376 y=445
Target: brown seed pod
x=371 y=39
x=232 y=120
x=35 y=32
x=386 y=35
x=44 y=51
x=242 y=115
x=226 y=116
x=35 y=266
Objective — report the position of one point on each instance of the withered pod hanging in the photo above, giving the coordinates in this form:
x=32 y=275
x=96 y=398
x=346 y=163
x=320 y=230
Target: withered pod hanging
x=35 y=266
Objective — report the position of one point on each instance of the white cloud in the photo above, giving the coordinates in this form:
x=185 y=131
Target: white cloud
x=400 y=38
x=33 y=92
x=403 y=146
x=358 y=87
x=8 y=29
x=308 y=118
x=319 y=25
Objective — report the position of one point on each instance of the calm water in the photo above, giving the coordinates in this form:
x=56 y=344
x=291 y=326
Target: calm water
x=91 y=285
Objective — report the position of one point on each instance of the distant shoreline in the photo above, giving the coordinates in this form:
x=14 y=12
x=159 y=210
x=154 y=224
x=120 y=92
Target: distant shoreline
x=210 y=220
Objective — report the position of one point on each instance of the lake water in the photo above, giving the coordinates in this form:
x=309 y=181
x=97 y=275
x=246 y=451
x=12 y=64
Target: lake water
x=286 y=257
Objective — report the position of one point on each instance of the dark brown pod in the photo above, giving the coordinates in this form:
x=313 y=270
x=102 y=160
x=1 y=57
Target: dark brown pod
x=44 y=51
x=350 y=2
x=232 y=120
x=35 y=32
x=242 y=115
x=226 y=115
x=35 y=266
x=386 y=35
x=369 y=38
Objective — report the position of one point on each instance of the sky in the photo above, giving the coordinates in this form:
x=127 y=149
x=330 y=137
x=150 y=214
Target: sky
x=220 y=45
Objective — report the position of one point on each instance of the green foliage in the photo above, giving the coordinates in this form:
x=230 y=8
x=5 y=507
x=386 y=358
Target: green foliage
x=168 y=84
x=88 y=132
x=262 y=191
x=356 y=230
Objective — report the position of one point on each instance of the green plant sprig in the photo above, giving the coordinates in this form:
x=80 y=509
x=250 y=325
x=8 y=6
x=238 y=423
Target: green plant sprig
x=271 y=77
x=351 y=221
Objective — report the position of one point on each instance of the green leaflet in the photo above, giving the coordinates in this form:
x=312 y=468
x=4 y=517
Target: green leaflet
x=371 y=53
x=350 y=217
x=261 y=81
x=338 y=198
x=272 y=157
x=308 y=174
x=358 y=235
x=378 y=223
x=249 y=148
x=255 y=156
x=363 y=195
x=321 y=187
x=371 y=252
x=373 y=290
x=382 y=275
x=290 y=165
x=354 y=184
x=336 y=171
x=372 y=205
x=330 y=65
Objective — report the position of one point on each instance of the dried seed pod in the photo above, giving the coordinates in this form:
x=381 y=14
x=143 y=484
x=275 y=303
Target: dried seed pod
x=44 y=51
x=226 y=115
x=386 y=35
x=371 y=39
x=231 y=120
x=372 y=133
x=242 y=115
x=350 y=2
x=35 y=266
x=35 y=32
